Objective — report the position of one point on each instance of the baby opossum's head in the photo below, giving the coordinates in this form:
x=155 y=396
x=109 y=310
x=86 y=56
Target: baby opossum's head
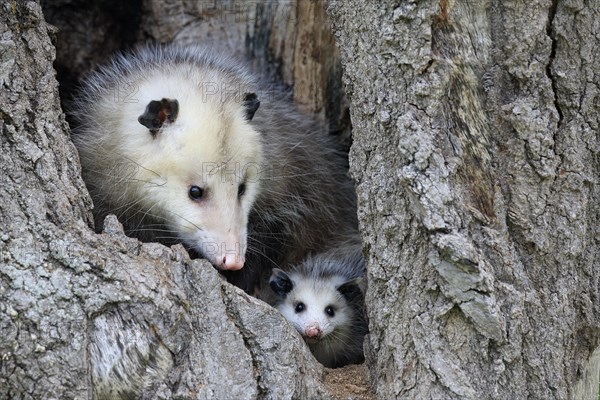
x=198 y=163
x=318 y=307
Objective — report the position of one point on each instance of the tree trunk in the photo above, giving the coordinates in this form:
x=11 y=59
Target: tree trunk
x=475 y=128
x=476 y=159
x=104 y=316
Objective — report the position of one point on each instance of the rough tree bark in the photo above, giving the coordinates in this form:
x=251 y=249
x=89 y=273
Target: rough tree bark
x=476 y=156
x=475 y=127
x=64 y=290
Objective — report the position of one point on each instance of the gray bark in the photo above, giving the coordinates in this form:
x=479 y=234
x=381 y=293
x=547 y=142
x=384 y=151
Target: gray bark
x=104 y=316
x=475 y=127
x=476 y=158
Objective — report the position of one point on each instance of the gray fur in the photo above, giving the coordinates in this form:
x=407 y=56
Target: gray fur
x=306 y=201
x=345 y=344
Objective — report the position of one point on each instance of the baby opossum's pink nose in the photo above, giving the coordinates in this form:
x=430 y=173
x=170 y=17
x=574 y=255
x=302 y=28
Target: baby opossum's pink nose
x=232 y=262
x=312 y=332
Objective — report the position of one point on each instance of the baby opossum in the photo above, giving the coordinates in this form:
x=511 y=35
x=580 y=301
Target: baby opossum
x=323 y=299
x=172 y=141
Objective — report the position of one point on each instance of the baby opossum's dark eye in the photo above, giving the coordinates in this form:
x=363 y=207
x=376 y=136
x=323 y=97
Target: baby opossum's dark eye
x=330 y=311
x=299 y=307
x=241 y=189
x=196 y=192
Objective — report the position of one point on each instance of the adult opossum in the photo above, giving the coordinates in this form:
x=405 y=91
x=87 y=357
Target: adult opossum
x=323 y=299
x=172 y=141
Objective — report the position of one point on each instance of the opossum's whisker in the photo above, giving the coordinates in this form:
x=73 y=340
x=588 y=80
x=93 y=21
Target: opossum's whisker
x=140 y=165
x=269 y=234
x=186 y=220
x=126 y=207
x=157 y=228
x=166 y=237
x=265 y=256
x=149 y=229
x=138 y=215
x=272 y=246
x=149 y=212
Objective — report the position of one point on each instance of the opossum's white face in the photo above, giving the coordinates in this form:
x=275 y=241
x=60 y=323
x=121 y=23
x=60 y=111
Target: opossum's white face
x=198 y=167
x=316 y=308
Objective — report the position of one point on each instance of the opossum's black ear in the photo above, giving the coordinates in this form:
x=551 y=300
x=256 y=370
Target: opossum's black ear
x=280 y=282
x=251 y=104
x=157 y=113
x=352 y=288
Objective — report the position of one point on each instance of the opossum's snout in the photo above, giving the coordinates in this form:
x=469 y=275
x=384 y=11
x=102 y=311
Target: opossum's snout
x=215 y=224
x=313 y=332
x=224 y=254
x=231 y=262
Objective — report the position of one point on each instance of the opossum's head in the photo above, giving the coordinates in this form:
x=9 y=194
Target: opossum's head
x=198 y=164
x=319 y=308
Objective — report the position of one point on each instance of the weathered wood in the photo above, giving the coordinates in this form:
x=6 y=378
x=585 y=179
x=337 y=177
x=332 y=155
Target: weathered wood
x=476 y=159
x=476 y=156
x=104 y=316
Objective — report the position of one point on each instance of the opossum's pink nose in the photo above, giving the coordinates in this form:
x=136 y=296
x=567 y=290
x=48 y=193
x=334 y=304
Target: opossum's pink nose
x=313 y=332
x=232 y=262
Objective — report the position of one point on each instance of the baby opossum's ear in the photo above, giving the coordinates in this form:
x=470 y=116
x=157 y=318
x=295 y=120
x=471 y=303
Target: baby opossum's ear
x=251 y=104
x=352 y=288
x=280 y=282
x=157 y=112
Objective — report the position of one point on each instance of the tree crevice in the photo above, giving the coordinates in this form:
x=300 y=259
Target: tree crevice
x=551 y=33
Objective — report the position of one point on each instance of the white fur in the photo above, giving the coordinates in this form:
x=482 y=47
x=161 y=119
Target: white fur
x=315 y=283
x=302 y=202
x=210 y=145
x=317 y=295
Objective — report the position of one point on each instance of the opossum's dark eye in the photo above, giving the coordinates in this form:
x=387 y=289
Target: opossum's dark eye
x=241 y=189
x=330 y=311
x=299 y=307
x=196 y=192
